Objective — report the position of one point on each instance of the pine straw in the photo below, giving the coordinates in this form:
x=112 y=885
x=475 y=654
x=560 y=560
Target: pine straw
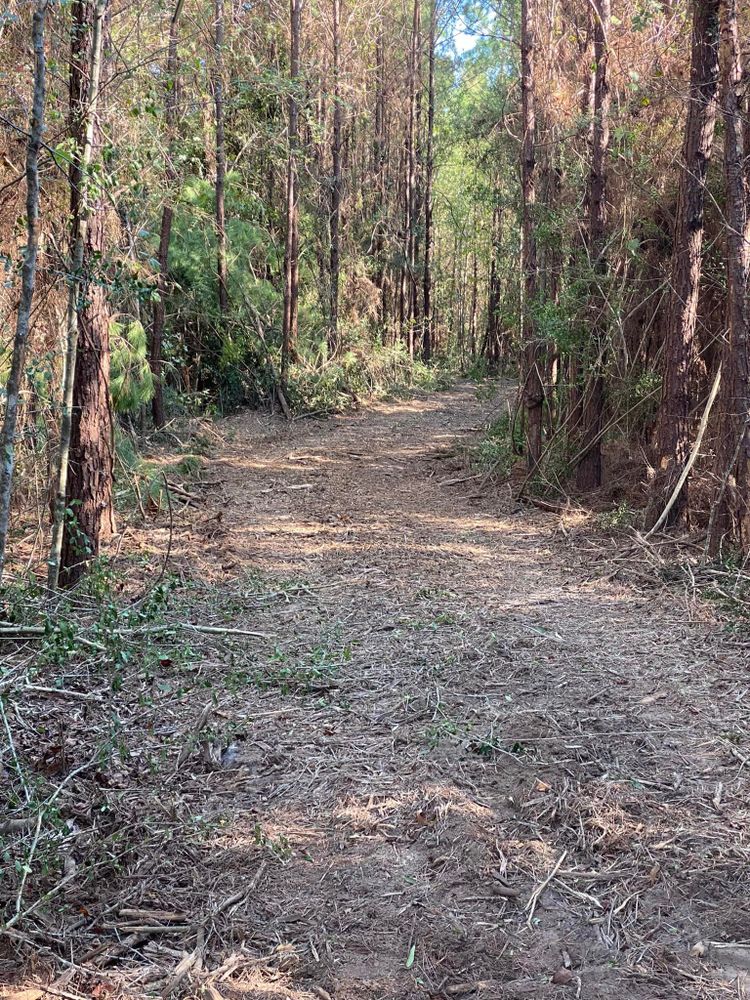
x=456 y=767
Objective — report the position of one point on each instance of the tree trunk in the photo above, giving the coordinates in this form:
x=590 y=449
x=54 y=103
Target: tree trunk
x=427 y=336
x=673 y=427
x=379 y=169
x=730 y=521
x=589 y=468
x=221 y=163
x=28 y=278
x=83 y=500
x=492 y=351
x=474 y=305
x=410 y=193
x=533 y=388
x=588 y=92
x=291 y=249
x=336 y=181
x=167 y=215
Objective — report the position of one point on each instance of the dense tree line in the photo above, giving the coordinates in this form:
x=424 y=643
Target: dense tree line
x=243 y=204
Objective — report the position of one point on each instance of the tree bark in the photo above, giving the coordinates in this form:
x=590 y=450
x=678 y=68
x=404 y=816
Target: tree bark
x=589 y=467
x=83 y=500
x=427 y=319
x=474 y=305
x=379 y=169
x=336 y=183
x=221 y=163
x=533 y=387
x=673 y=427
x=28 y=278
x=730 y=521
x=165 y=233
x=291 y=249
x=408 y=283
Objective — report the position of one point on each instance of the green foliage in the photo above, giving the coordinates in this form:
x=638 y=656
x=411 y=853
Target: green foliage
x=636 y=396
x=496 y=452
x=313 y=671
x=365 y=372
x=620 y=517
x=132 y=382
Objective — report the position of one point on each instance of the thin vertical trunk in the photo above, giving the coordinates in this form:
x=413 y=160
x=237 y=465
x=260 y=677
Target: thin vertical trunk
x=379 y=164
x=28 y=278
x=730 y=522
x=427 y=337
x=336 y=181
x=588 y=93
x=474 y=305
x=221 y=163
x=415 y=296
x=589 y=468
x=673 y=427
x=409 y=278
x=84 y=468
x=167 y=215
x=492 y=351
x=533 y=387
x=291 y=249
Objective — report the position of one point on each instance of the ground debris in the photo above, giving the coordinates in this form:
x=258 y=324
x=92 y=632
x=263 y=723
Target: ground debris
x=448 y=742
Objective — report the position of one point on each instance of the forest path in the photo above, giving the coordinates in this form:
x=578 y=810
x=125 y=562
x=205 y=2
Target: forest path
x=453 y=721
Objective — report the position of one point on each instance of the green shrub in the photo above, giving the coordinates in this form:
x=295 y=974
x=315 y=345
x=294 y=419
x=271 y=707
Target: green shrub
x=132 y=383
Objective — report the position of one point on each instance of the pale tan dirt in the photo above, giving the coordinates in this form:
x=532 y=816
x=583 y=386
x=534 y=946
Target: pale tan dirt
x=483 y=712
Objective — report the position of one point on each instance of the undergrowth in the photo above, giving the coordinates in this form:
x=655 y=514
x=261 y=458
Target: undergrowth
x=382 y=373
x=114 y=687
x=497 y=450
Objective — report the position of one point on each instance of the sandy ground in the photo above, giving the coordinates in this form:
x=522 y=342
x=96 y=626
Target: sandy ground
x=460 y=759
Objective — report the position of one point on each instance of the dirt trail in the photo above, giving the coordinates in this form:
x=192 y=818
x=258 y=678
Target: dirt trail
x=452 y=764
x=480 y=723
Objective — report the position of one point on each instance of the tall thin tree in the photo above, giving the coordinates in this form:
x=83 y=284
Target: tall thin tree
x=428 y=207
x=291 y=248
x=533 y=386
x=83 y=481
x=28 y=277
x=336 y=182
x=167 y=215
x=221 y=161
x=673 y=426
x=589 y=467
x=730 y=521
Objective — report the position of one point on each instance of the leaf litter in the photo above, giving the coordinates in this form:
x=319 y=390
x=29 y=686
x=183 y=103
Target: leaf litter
x=394 y=738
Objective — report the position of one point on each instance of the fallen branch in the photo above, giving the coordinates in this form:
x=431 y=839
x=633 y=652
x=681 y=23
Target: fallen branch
x=536 y=894
x=693 y=455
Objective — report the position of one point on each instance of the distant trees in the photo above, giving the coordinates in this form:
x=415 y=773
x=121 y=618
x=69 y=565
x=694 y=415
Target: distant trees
x=280 y=196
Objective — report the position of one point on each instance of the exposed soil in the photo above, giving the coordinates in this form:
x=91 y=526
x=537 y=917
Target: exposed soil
x=476 y=763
